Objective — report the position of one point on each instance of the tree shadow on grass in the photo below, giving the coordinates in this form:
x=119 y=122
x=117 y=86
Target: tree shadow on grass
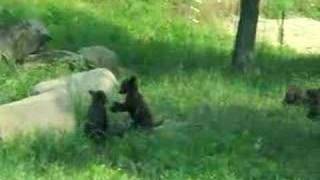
x=153 y=58
x=215 y=140
x=73 y=28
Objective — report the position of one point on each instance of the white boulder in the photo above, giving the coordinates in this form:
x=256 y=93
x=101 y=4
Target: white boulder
x=52 y=106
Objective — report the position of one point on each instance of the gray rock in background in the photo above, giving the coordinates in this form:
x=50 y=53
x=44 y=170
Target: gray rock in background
x=53 y=56
x=101 y=57
x=74 y=60
x=87 y=58
x=22 y=39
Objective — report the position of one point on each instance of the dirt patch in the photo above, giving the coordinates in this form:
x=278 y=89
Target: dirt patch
x=300 y=34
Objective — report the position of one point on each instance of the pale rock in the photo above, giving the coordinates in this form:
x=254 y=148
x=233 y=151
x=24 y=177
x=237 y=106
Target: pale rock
x=52 y=106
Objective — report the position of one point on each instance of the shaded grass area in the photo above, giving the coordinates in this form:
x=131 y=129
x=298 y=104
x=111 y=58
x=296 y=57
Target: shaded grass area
x=219 y=125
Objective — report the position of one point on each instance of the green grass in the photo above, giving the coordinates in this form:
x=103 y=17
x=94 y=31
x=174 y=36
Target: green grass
x=16 y=83
x=219 y=125
x=213 y=10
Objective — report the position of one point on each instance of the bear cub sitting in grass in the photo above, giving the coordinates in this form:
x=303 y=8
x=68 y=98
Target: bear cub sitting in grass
x=97 y=125
x=295 y=96
x=309 y=98
x=314 y=103
x=135 y=105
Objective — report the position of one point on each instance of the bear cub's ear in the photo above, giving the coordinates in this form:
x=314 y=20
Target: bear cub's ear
x=91 y=92
x=132 y=83
x=99 y=96
x=133 y=79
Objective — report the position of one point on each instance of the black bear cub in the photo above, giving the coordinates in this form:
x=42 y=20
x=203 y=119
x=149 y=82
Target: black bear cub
x=97 y=125
x=314 y=103
x=134 y=104
x=295 y=96
x=310 y=98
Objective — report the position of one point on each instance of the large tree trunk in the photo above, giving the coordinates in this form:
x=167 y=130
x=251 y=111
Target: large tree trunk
x=243 y=53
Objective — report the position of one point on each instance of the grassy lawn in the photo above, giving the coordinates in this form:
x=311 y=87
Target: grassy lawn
x=219 y=124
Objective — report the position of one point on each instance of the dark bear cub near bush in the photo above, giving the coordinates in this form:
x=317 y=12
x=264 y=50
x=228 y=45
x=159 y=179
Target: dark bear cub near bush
x=309 y=98
x=135 y=105
x=314 y=103
x=295 y=96
x=97 y=124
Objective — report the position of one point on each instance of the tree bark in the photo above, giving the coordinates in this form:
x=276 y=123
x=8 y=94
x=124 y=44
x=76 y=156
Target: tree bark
x=281 y=28
x=243 y=52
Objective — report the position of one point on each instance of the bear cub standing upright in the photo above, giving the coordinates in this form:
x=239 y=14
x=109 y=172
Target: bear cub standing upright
x=97 y=125
x=134 y=104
